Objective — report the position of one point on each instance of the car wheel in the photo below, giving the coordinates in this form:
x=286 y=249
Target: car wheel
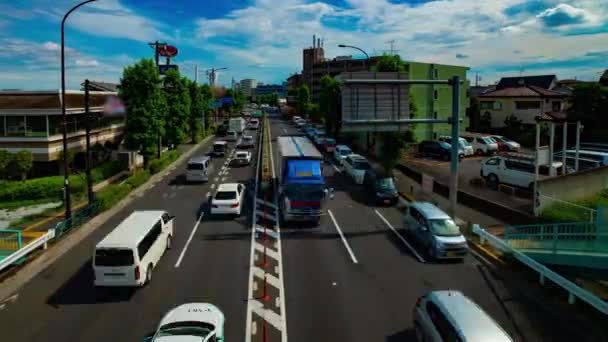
x=460 y=156
x=169 y=242
x=493 y=179
x=418 y=332
x=479 y=151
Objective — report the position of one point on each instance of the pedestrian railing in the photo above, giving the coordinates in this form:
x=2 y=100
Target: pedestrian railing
x=577 y=237
x=13 y=249
x=574 y=291
x=77 y=219
x=10 y=241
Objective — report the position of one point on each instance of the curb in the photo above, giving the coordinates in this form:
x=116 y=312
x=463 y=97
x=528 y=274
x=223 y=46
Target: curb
x=21 y=277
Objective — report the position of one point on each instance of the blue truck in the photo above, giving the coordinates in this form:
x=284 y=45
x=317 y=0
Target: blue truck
x=302 y=189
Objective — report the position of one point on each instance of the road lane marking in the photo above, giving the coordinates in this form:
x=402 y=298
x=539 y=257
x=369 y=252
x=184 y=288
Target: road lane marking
x=335 y=167
x=223 y=179
x=181 y=256
x=268 y=315
x=269 y=251
x=399 y=236
x=270 y=279
x=212 y=186
x=284 y=131
x=350 y=251
x=216 y=179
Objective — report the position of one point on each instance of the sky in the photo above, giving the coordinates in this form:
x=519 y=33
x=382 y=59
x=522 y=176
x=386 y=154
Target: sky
x=263 y=39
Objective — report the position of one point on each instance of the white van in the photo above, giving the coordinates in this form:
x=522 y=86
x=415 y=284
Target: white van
x=128 y=254
x=198 y=169
x=513 y=169
x=482 y=143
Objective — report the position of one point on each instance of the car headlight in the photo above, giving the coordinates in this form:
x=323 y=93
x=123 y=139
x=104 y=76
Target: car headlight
x=438 y=244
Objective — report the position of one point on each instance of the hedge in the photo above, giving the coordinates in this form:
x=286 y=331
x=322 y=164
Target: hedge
x=106 y=170
x=39 y=188
x=113 y=193
x=157 y=165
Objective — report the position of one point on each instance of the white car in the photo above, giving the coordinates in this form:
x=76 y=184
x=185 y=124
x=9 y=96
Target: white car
x=463 y=144
x=254 y=124
x=246 y=142
x=228 y=199
x=482 y=144
x=295 y=119
x=341 y=152
x=511 y=145
x=190 y=322
x=241 y=158
x=232 y=136
x=355 y=166
x=514 y=169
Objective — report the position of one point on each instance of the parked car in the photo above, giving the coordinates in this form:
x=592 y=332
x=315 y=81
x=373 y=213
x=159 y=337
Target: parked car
x=463 y=144
x=341 y=152
x=451 y=316
x=310 y=132
x=241 y=158
x=300 y=125
x=435 y=231
x=319 y=136
x=482 y=143
x=513 y=169
x=380 y=187
x=246 y=142
x=232 y=136
x=437 y=149
x=329 y=144
x=228 y=199
x=190 y=322
x=505 y=144
x=355 y=166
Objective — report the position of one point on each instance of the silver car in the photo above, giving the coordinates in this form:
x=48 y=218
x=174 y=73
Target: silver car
x=435 y=231
x=451 y=316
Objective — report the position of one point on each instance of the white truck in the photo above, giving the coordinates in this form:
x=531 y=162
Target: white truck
x=237 y=125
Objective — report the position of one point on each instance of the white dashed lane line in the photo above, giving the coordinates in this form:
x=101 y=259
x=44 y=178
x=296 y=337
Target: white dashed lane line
x=181 y=256
x=350 y=251
x=399 y=236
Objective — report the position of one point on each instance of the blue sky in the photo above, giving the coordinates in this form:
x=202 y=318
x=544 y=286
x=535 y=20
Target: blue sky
x=263 y=39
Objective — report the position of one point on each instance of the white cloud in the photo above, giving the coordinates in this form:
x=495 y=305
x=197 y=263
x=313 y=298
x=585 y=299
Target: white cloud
x=51 y=46
x=87 y=62
x=564 y=14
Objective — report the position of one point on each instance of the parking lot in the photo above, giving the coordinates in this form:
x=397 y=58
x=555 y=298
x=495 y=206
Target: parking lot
x=468 y=180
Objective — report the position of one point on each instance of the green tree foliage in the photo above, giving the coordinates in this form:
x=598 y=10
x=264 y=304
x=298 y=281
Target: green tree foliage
x=590 y=105
x=5 y=159
x=140 y=90
x=178 y=101
x=389 y=63
x=197 y=110
x=303 y=101
x=238 y=100
x=328 y=103
x=21 y=163
x=207 y=97
x=314 y=112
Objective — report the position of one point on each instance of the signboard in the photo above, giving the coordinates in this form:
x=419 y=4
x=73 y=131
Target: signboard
x=427 y=184
x=168 y=51
x=542 y=154
x=162 y=69
x=227 y=100
x=215 y=104
x=114 y=107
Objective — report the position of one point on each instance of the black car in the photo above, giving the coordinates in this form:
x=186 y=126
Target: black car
x=221 y=130
x=380 y=186
x=437 y=149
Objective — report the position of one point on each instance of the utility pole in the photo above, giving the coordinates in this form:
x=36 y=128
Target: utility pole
x=157 y=46
x=89 y=122
x=196 y=74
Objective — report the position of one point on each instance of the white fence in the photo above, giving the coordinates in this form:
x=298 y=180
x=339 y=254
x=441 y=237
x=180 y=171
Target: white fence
x=27 y=249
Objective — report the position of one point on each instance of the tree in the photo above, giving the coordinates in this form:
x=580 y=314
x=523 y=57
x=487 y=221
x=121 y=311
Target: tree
x=197 y=110
x=314 y=113
x=178 y=101
x=390 y=63
x=589 y=104
x=140 y=90
x=21 y=164
x=328 y=103
x=207 y=97
x=303 y=101
x=5 y=160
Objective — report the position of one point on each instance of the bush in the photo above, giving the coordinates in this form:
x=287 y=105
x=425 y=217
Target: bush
x=157 y=165
x=106 y=170
x=40 y=188
x=111 y=195
x=137 y=179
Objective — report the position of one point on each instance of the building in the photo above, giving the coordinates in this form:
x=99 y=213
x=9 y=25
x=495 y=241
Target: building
x=541 y=81
x=101 y=86
x=525 y=102
x=267 y=89
x=32 y=121
x=247 y=86
x=294 y=81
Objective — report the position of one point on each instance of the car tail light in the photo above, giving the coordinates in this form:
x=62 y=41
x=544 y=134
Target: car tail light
x=234 y=205
x=136 y=272
x=419 y=301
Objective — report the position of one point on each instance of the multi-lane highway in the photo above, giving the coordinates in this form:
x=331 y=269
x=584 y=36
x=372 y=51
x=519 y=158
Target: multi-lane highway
x=353 y=278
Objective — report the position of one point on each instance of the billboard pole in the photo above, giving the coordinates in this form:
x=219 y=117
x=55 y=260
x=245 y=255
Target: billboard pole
x=454 y=153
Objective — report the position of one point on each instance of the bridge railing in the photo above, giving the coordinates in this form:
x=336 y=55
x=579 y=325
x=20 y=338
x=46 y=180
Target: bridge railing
x=13 y=248
x=556 y=237
x=574 y=291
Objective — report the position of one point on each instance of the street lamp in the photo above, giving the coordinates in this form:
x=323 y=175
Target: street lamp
x=356 y=48
x=66 y=168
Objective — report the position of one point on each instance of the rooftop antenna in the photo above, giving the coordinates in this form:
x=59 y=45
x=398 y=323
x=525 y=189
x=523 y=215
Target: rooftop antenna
x=392 y=44
x=314 y=40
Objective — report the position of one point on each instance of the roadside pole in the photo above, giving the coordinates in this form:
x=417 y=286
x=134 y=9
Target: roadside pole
x=536 y=167
x=87 y=158
x=455 y=121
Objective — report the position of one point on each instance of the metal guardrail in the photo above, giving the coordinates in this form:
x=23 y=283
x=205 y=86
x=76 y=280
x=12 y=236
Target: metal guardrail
x=77 y=219
x=574 y=291
x=573 y=236
x=28 y=248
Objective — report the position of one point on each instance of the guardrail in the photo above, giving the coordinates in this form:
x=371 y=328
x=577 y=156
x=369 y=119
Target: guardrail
x=574 y=291
x=28 y=248
x=77 y=219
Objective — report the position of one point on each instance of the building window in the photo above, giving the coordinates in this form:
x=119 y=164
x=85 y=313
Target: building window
x=2 y=133
x=435 y=94
x=492 y=105
x=36 y=126
x=434 y=115
x=527 y=105
x=15 y=126
x=435 y=74
x=55 y=124
x=434 y=135
x=557 y=106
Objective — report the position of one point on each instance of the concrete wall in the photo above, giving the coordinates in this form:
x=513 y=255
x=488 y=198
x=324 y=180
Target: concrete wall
x=574 y=186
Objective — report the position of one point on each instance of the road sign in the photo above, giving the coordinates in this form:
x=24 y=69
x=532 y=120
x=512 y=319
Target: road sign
x=227 y=100
x=114 y=107
x=162 y=69
x=168 y=51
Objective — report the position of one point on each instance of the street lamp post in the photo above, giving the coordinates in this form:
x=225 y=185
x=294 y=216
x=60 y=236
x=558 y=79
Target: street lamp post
x=356 y=48
x=66 y=168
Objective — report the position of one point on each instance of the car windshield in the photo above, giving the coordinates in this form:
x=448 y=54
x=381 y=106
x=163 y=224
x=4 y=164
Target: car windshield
x=305 y=192
x=114 y=257
x=241 y=155
x=345 y=152
x=444 y=144
x=330 y=141
x=225 y=195
x=219 y=147
x=444 y=227
x=196 y=166
x=464 y=143
x=189 y=328
x=386 y=184
x=489 y=140
x=361 y=165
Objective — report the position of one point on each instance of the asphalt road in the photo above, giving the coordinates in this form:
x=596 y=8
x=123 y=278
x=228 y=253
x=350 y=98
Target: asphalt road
x=59 y=304
x=350 y=279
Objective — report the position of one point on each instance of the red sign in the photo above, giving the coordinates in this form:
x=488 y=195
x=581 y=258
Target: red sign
x=168 y=51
